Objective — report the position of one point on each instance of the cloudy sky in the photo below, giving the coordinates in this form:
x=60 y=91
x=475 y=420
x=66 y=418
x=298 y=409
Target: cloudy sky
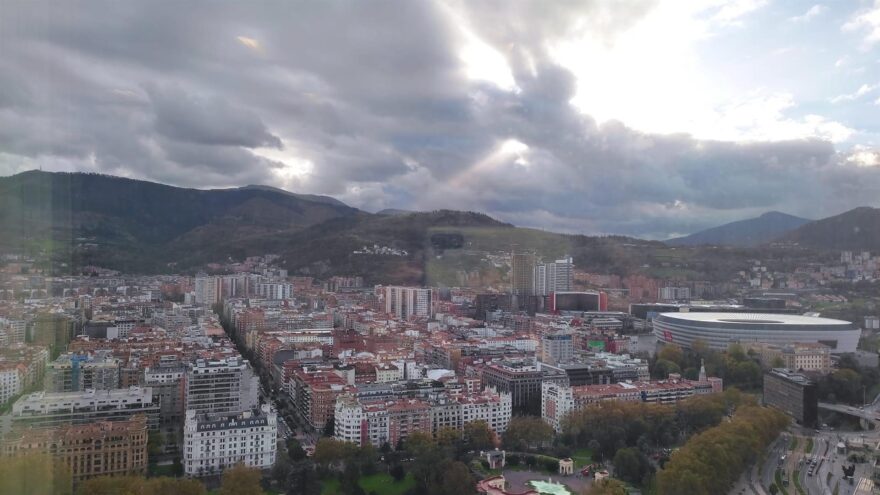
x=641 y=118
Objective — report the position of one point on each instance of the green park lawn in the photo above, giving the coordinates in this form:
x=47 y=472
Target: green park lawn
x=380 y=483
x=582 y=457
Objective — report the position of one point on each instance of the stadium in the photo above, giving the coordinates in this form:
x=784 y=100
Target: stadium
x=718 y=330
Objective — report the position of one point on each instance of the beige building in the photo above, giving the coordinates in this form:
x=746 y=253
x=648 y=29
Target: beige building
x=103 y=448
x=806 y=356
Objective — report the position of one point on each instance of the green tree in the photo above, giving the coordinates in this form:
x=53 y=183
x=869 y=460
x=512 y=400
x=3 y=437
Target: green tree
x=241 y=480
x=329 y=451
x=295 y=450
x=478 y=436
x=607 y=487
x=448 y=437
x=663 y=367
x=303 y=479
x=138 y=485
x=455 y=479
x=671 y=353
x=631 y=465
x=525 y=432
x=418 y=442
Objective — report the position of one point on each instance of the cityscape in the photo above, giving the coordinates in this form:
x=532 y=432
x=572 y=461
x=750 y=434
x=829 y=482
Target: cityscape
x=439 y=247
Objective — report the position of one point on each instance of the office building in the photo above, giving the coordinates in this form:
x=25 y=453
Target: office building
x=168 y=383
x=49 y=409
x=554 y=277
x=522 y=274
x=792 y=393
x=521 y=379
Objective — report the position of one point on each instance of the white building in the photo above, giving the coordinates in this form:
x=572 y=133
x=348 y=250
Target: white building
x=362 y=421
x=10 y=381
x=212 y=443
x=388 y=373
x=674 y=294
x=405 y=302
x=275 y=290
x=554 y=277
x=208 y=290
x=49 y=409
x=12 y=331
x=221 y=386
x=557 y=347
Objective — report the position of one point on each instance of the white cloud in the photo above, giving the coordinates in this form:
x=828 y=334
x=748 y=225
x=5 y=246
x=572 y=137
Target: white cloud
x=866 y=20
x=864 y=158
x=733 y=12
x=862 y=91
x=813 y=11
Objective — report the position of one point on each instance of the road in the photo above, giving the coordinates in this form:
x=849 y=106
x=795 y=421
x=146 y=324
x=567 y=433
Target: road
x=827 y=473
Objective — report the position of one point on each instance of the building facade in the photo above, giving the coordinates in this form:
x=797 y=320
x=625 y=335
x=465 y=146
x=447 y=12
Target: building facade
x=554 y=277
x=792 y=393
x=212 y=443
x=559 y=400
x=407 y=302
x=49 y=409
x=102 y=448
x=557 y=347
x=376 y=421
x=73 y=372
x=221 y=386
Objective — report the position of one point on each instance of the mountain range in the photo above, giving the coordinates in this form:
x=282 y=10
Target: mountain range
x=78 y=219
x=745 y=233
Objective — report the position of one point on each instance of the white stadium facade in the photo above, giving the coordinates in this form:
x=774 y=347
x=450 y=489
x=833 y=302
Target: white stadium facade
x=718 y=330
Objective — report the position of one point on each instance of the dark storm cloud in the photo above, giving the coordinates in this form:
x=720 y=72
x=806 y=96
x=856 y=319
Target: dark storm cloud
x=375 y=97
x=210 y=121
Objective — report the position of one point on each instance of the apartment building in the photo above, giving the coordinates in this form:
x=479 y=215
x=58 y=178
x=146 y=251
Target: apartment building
x=102 y=448
x=314 y=394
x=407 y=302
x=364 y=420
x=559 y=400
x=221 y=386
x=801 y=356
x=73 y=372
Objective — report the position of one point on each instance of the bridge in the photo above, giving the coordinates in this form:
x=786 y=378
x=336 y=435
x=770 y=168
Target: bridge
x=867 y=415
